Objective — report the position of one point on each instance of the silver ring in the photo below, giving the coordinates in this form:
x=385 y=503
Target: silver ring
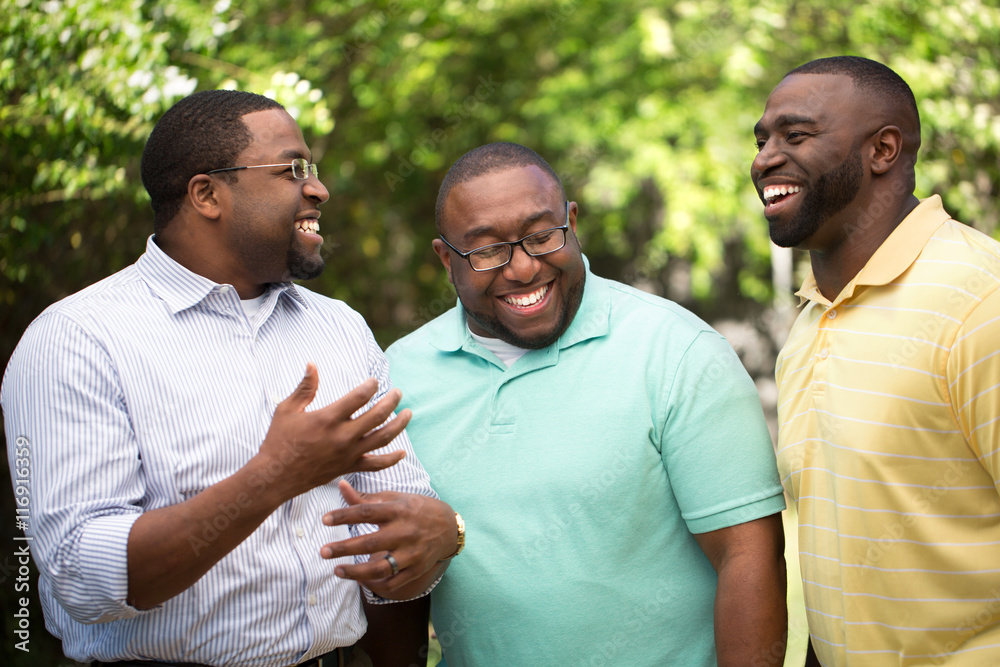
x=393 y=564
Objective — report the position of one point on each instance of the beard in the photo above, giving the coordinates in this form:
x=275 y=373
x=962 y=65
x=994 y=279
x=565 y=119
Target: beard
x=302 y=266
x=574 y=296
x=831 y=194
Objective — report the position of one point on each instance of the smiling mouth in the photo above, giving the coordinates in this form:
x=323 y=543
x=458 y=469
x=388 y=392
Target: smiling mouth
x=774 y=194
x=307 y=225
x=526 y=300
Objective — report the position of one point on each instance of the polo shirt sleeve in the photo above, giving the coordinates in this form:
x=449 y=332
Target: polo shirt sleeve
x=73 y=451
x=973 y=373
x=714 y=441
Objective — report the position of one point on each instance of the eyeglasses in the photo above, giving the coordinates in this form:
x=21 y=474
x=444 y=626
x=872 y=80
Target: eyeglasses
x=495 y=255
x=300 y=168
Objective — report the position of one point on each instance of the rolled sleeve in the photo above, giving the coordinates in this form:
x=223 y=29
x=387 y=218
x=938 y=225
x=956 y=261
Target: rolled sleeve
x=98 y=588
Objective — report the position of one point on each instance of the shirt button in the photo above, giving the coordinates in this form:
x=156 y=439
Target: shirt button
x=312 y=600
x=824 y=353
x=224 y=289
x=299 y=532
x=832 y=314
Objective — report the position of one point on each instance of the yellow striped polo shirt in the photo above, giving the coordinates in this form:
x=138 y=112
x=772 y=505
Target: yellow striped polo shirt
x=889 y=430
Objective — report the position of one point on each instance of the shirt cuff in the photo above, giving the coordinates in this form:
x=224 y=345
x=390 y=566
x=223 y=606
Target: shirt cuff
x=372 y=598
x=737 y=515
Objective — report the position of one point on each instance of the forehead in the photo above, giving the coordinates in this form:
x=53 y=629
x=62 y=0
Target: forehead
x=275 y=135
x=813 y=96
x=502 y=201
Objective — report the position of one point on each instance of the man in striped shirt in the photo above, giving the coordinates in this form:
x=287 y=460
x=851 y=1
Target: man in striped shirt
x=889 y=402
x=181 y=474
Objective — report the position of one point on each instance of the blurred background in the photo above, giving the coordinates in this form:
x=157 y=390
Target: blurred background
x=645 y=108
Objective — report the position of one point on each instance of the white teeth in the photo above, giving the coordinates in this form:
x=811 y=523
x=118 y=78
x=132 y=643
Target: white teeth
x=775 y=190
x=310 y=225
x=528 y=300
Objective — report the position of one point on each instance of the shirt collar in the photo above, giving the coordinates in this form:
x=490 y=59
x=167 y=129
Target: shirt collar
x=181 y=288
x=592 y=319
x=891 y=258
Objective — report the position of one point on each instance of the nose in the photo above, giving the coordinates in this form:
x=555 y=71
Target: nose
x=522 y=267
x=315 y=190
x=767 y=157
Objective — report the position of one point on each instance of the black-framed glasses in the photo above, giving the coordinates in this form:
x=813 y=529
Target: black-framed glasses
x=301 y=168
x=495 y=255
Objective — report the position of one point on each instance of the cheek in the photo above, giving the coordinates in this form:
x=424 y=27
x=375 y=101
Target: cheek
x=470 y=284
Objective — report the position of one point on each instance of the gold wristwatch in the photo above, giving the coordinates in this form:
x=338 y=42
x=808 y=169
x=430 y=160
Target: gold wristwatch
x=461 y=537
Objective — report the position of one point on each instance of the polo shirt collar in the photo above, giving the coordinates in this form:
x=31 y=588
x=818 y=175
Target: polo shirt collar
x=894 y=256
x=592 y=319
x=181 y=288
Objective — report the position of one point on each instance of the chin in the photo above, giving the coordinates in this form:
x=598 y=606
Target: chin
x=306 y=268
x=534 y=342
x=785 y=237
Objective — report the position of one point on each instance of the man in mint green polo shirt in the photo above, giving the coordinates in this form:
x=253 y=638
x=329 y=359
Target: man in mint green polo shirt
x=605 y=447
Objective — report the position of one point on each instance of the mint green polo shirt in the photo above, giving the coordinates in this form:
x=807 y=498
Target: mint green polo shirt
x=581 y=472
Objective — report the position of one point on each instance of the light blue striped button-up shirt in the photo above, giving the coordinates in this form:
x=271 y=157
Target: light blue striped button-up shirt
x=138 y=393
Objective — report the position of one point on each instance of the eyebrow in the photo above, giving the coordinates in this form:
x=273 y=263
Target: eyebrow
x=784 y=121
x=292 y=154
x=484 y=230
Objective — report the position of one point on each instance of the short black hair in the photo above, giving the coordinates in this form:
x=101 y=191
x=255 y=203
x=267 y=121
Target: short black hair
x=201 y=132
x=489 y=159
x=878 y=82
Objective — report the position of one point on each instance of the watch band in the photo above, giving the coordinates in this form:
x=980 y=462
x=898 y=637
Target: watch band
x=460 y=524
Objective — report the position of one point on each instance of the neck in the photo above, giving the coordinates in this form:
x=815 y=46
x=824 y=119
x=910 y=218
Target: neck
x=200 y=253
x=836 y=266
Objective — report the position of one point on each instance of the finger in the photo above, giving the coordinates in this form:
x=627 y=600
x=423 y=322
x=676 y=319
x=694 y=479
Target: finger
x=375 y=440
x=380 y=437
x=371 y=543
x=377 y=415
x=352 y=401
x=304 y=393
x=351 y=496
x=376 y=462
x=377 y=574
x=373 y=513
x=376 y=569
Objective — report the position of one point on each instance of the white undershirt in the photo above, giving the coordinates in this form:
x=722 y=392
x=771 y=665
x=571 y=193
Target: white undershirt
x=251 y=306
x=506 y=352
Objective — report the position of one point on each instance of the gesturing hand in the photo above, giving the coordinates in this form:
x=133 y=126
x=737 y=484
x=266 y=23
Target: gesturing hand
x=417 y=530
x=313 y=448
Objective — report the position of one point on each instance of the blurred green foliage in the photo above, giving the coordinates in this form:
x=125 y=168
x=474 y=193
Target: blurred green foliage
x=646 y=109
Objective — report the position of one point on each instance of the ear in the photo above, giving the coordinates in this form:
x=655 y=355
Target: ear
x=444 y=254
x=205 y=196
x=573 y=210
x=887 y=146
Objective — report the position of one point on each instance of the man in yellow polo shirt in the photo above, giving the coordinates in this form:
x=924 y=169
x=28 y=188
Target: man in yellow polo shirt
x=889 y=383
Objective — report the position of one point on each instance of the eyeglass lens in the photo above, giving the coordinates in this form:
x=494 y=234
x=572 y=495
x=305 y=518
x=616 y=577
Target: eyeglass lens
x=540 y=243
x=301 y=169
